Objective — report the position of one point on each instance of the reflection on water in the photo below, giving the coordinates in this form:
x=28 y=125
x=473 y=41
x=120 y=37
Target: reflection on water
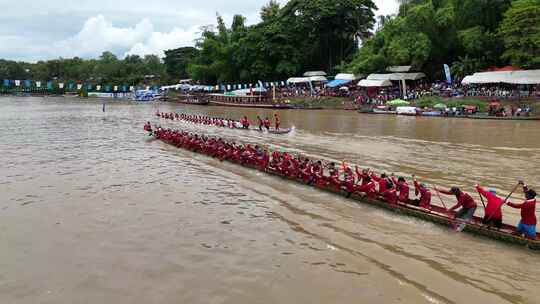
x=94 y=211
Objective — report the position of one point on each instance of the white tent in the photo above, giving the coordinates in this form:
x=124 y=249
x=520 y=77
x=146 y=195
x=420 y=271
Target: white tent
x=397 y=76
x=399 y=68
x=295 y=80
x=511 y=77
x=343 y=76
x=314 y=73
x=374 y=83
x=318 y=79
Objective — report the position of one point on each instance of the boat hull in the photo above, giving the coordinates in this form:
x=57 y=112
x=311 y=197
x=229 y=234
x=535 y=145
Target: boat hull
x=437 y=215
x=248 y=105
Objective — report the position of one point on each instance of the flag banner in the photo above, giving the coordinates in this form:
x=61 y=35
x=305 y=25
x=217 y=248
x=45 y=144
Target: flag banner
x=107 y=88
x=38 y=84
x=131 y=88
x=228 y=87
x=49 y=85
x=27 y=84
x=147 y=88
x=61 y=85
x=447 y=74
x=98 y=88
x=88 y=87
x=115 y=88
x=70 y=86
x=283 y=83
x=79 y=86
x=124 y=88
x=6 y=82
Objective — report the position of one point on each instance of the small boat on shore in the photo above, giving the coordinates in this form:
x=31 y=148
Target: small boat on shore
x=434 y=214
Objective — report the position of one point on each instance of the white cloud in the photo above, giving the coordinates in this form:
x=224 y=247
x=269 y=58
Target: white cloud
x=32 y=30
x=158 y=42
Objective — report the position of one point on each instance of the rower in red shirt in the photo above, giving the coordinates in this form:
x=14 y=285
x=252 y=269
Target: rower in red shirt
x=493 y=213
x=381 y=181
x=425 y=195
x=245 y=122
x=403 y=188
x=390 y=194
x=261 y=123
x=277 y=121
x=267 y=124
x=464 y=200
x=368 y=187
x=527 y=224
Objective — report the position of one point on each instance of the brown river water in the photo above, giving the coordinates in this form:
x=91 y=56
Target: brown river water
x=93 y=211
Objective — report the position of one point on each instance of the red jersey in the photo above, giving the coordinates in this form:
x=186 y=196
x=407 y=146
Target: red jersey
x=494 y=204
x=463 y=200
x=425 y=195
x=528 y=211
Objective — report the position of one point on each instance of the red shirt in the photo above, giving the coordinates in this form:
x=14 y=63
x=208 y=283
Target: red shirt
x=425 y=195
x=403 y=190
x=493 y=208
x=463 y=200
x=528 y=211
x=381 y=181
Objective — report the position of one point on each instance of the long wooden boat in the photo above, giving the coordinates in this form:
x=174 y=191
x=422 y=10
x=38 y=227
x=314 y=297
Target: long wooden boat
x=251 y=105
x=437 y=215
x=191 y=102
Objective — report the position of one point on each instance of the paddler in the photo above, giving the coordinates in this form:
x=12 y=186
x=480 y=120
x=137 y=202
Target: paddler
x=261 y=123
x=148 y=127
x=527 y=224
x=277 y=121
x=464 y=200
x=245 y=122
x=267 y=124
x=425 y=195
x=403 y=188
x=493 y=213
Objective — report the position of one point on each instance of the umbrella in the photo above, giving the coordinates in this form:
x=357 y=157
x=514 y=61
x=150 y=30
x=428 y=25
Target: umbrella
x=398 y=102
x=440 y=106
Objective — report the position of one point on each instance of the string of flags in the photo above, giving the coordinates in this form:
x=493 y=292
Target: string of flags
x=52 y=85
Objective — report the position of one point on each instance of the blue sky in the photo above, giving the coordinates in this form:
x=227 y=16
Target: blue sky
x=33 y=30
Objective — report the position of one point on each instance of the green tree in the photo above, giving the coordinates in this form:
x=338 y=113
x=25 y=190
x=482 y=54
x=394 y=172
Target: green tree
x=520 y=31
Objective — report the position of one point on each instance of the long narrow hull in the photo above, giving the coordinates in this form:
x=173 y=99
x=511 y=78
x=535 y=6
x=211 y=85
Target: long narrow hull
x=437 y=215
x=251 y=105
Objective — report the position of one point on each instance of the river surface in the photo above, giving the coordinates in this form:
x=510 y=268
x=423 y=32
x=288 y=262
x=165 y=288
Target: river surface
x=93 y=211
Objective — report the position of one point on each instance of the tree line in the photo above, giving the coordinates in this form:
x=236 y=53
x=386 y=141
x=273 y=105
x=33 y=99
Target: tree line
x=334 y=36
x=108 y=68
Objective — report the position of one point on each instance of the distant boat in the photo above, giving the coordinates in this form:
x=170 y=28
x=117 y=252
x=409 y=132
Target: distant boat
x=147 y=95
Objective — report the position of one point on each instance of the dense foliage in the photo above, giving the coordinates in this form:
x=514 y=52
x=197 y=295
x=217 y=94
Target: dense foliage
x=176 y=62
x=467 y=34
x=133 y=69
x=302 y=35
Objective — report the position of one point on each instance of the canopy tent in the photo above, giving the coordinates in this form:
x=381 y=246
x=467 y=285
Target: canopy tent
x=318 y=79
x=374 y=83
x=295 y=80
x=398 y=102
x=440 y=106
x=343 y=76
x=399 y=69
x=337 y=83
x=397 y=76
x=314 y=73
x=510 y=77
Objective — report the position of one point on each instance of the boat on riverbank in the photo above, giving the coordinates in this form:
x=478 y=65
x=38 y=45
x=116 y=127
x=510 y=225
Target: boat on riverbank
x=250 y=105
x=443 y=115
x=435 y=214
